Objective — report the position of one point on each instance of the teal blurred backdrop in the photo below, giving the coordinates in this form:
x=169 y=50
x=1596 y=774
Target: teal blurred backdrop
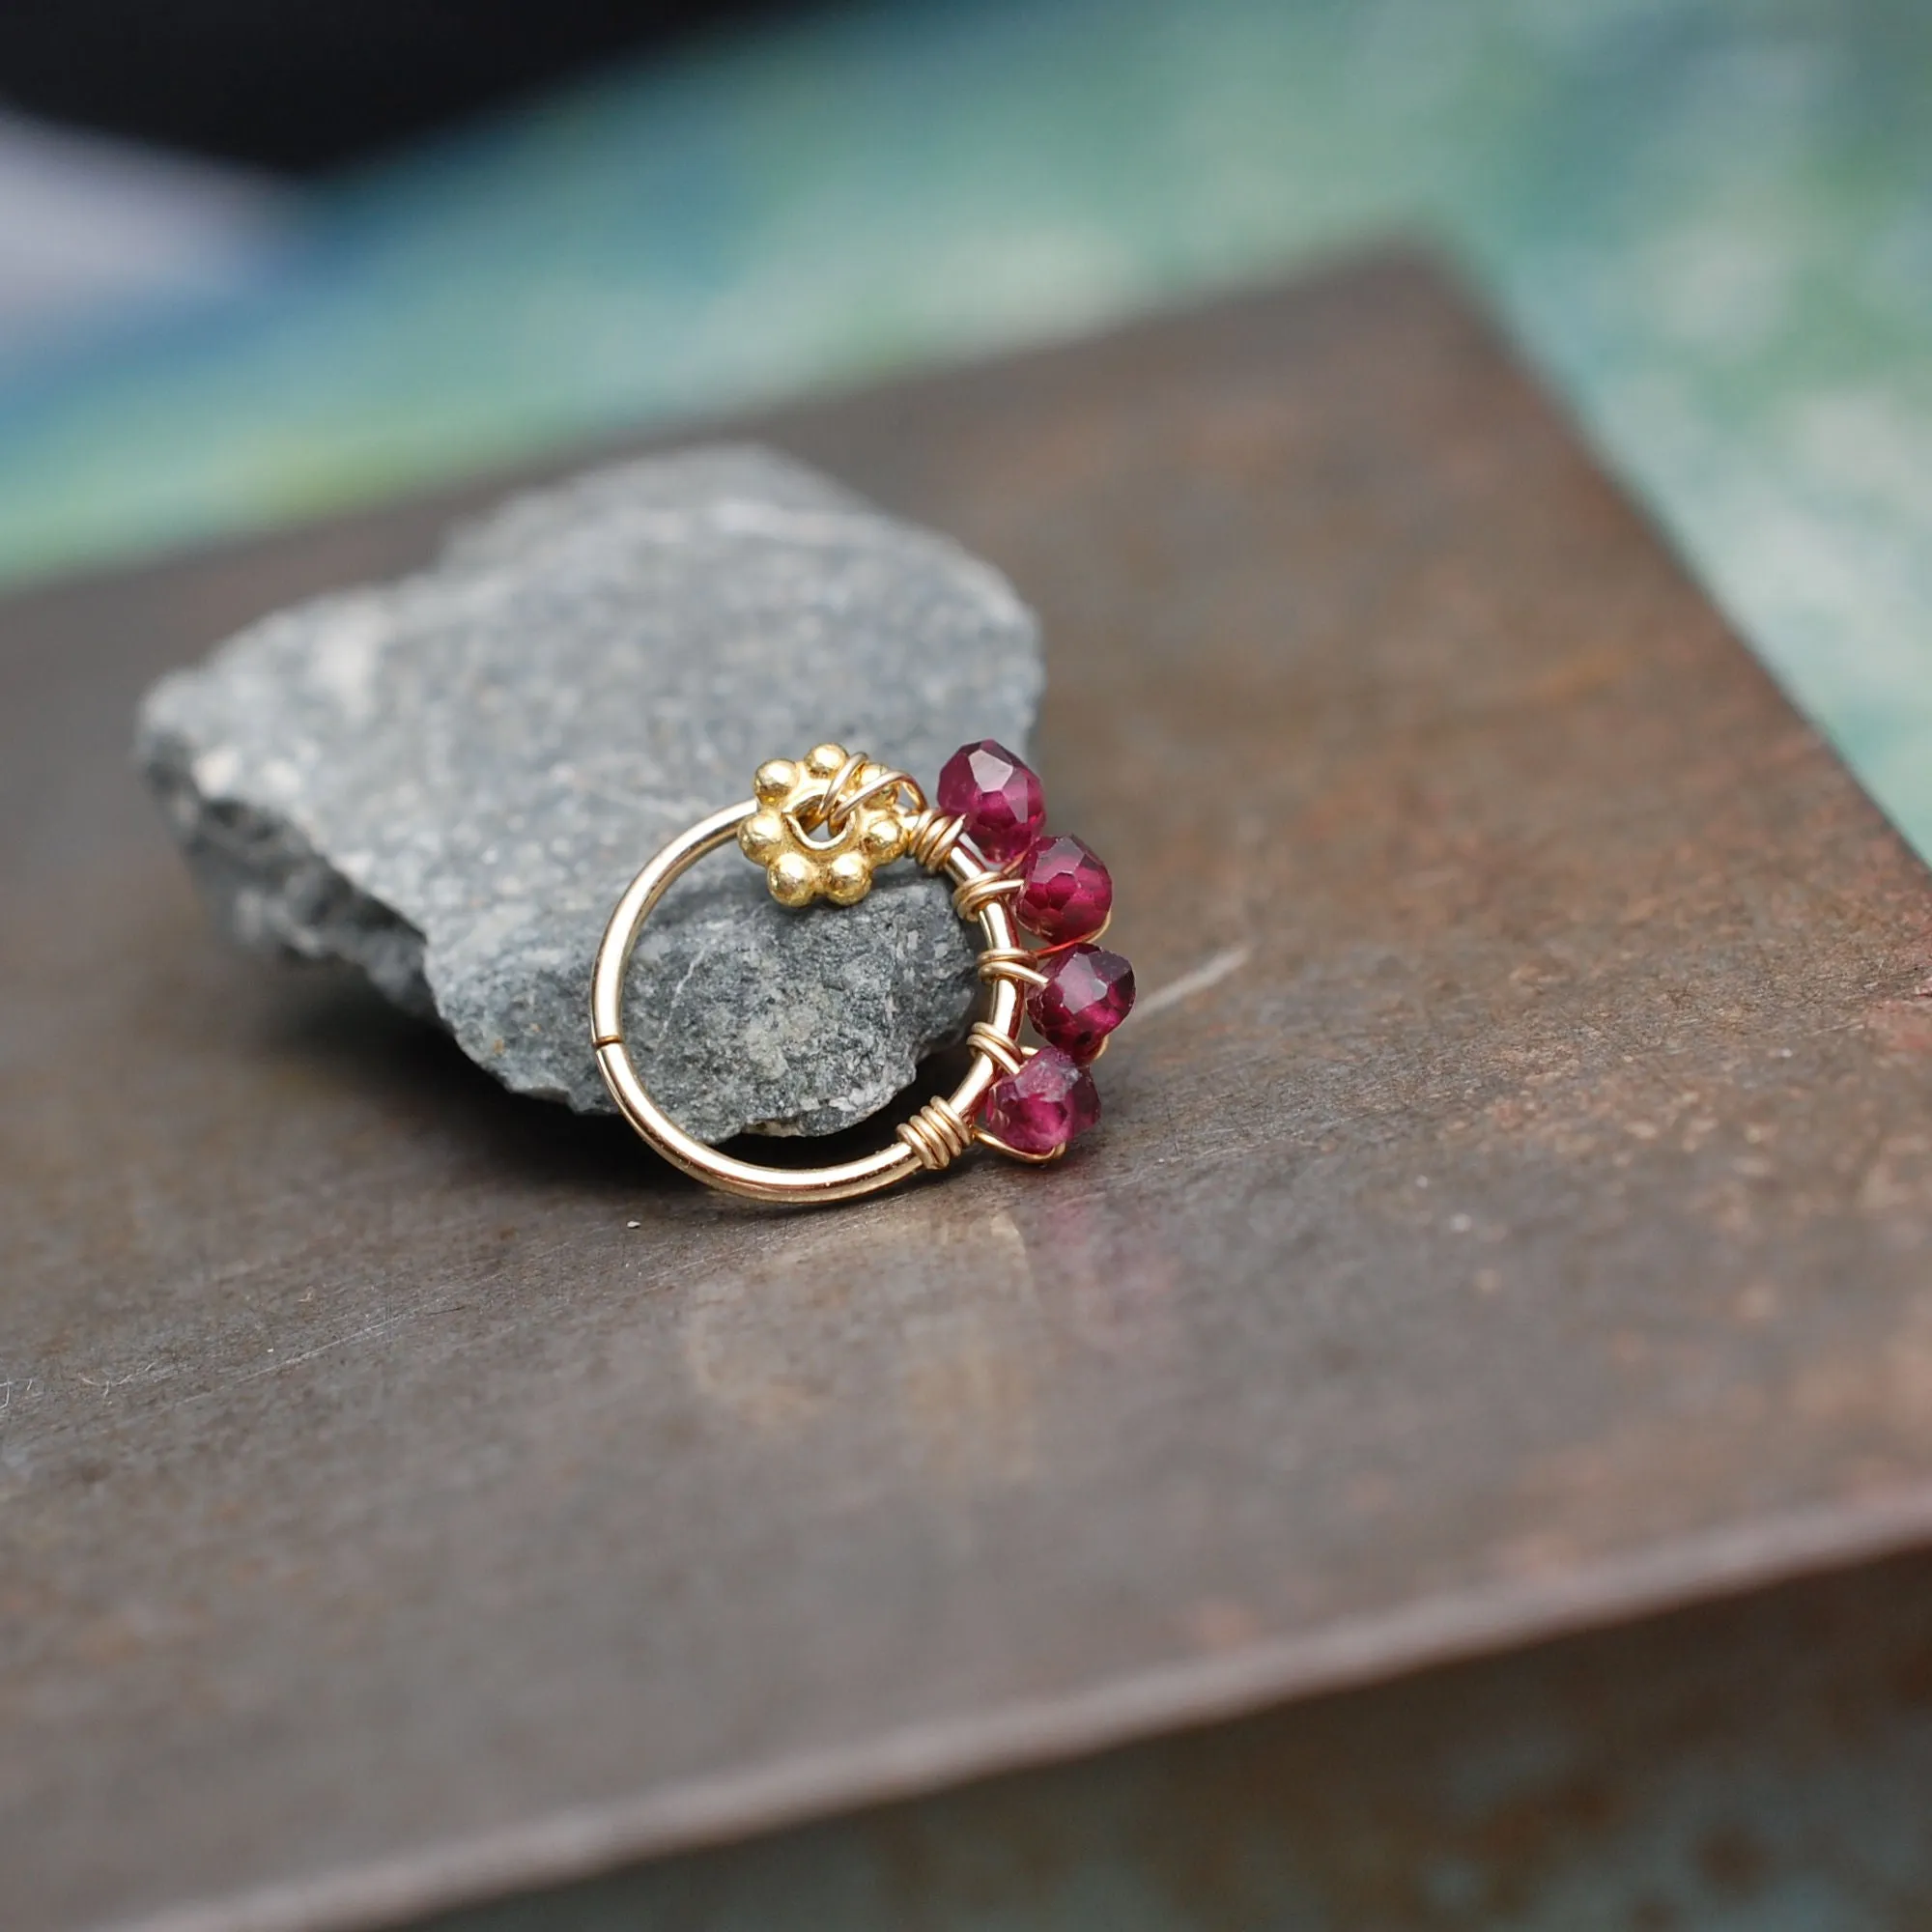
x=1710 y=225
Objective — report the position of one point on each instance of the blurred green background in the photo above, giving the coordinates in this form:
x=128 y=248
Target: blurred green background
x=1709 y=224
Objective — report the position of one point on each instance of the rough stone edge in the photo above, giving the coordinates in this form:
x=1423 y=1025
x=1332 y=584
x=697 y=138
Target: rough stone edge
x=252 y=864
x=271 y=891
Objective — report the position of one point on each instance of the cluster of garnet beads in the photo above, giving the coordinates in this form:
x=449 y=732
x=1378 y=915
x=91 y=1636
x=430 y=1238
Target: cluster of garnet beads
x=1065 y=898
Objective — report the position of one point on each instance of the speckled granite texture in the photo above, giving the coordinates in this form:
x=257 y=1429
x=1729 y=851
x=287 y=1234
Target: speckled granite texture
x=447 y=781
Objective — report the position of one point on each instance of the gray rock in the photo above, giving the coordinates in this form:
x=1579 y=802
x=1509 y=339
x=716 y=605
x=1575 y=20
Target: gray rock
x=447 y=781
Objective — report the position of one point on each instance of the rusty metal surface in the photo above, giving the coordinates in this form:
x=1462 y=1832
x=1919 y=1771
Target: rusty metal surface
x=1758 y=1763
x=1513 y=1209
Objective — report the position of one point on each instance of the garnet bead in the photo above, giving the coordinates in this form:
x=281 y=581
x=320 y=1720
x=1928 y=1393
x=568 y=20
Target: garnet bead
x=1041 y=1107
x=999 y=798
x=1065 y=892
x=1089 y=992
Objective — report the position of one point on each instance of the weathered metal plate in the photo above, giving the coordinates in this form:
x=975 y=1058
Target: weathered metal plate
x=1759 y=1762
x=1515 y=1207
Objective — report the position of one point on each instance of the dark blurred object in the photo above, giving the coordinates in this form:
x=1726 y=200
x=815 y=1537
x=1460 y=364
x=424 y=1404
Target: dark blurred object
x=307 y=84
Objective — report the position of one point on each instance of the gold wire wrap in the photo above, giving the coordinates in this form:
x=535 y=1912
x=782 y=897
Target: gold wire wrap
x=1092 y=938
x=976 y=895
x=880 y=787
x=1011 y=962
x=936 y=1134
x=833 y=810
x=1013 y=1153
x=932 y=838
x=997 y=1047
x=836 y=805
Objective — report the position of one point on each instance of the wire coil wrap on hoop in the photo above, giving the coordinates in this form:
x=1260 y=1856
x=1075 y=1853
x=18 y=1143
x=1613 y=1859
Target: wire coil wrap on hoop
x=978 y=893
x=997 y=1047
x=1014 y=963
x=932 y=838
x=937 y=1135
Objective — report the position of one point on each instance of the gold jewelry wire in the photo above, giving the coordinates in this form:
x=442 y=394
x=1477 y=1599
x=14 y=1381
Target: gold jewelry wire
x=943 y=1128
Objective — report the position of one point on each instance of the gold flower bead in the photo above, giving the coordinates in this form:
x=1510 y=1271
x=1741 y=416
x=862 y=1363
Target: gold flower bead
x=788 y=834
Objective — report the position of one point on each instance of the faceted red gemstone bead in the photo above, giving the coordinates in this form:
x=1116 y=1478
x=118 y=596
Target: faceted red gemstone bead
x=999 y=798
x=1043 y=1105
x=1089 y=992
x=1067 y=892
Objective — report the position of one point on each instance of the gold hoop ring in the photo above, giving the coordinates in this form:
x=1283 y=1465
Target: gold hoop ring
x=878 y=815
x=802 y=1186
